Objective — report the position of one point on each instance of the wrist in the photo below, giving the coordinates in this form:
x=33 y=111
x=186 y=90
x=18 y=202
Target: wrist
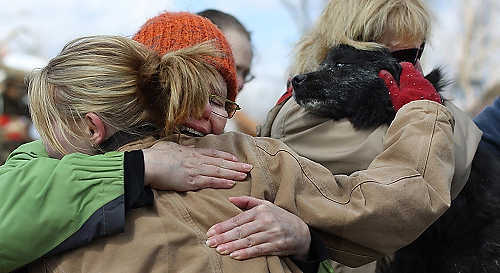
x=303 y=253
x=147 y=167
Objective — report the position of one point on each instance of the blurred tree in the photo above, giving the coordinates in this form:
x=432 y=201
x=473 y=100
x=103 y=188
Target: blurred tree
x=21 y=39
x=479 y=41
x=303 y=12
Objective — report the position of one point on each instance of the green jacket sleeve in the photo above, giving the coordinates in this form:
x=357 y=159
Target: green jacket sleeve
x=44 y=200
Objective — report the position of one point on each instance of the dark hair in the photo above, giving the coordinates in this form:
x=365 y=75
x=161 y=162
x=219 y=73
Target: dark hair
x=224 y=21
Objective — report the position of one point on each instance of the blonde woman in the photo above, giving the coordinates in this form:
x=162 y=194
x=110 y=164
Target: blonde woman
x=402 y=26
x=81 y=94
x=52 y=204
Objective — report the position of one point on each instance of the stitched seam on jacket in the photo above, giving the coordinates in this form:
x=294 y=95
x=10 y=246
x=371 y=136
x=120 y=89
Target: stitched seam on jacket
x=265 y=168
x=427 y=161
x=322 y=190
x=423 y=165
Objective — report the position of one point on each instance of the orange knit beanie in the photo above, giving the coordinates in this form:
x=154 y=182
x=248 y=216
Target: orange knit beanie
x=172 y=31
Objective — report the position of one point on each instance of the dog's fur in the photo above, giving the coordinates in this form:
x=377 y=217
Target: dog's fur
x=467 y=237
x=347 y=86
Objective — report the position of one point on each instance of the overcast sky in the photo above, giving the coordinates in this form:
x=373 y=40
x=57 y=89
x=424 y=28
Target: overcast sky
x=48 y=24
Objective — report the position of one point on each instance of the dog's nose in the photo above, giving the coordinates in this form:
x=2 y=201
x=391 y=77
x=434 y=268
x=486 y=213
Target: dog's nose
x=298 y=79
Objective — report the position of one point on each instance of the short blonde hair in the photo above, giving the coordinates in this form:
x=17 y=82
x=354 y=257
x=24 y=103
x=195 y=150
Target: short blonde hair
x=362 y=24
x=123 y=82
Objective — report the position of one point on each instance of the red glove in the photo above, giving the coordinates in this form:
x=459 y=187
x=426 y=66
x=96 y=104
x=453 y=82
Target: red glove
x=412 y=86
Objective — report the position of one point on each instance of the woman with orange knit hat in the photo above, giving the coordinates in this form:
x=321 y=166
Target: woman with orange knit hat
x=155 y=95
x=172 y=31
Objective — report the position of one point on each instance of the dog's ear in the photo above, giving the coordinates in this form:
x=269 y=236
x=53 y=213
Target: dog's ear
x=438 y=79
x=383 y=60
x=395 y=69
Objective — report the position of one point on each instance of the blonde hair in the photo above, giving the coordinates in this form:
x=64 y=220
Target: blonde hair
x=123 y=82
x=362 y=24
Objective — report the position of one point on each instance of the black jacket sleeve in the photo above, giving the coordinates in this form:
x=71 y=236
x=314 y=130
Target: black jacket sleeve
x=317 y=254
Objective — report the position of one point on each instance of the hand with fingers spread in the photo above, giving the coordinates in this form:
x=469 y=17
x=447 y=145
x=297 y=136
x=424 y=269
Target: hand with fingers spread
x=263 y=229
x=170 y=166
x=412 y=86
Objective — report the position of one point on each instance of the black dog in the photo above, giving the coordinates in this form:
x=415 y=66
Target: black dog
x=467 y=237
x=347 y=86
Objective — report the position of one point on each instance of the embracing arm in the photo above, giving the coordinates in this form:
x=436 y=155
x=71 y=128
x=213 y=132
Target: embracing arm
x=284 y=233
x=369 y=213
x=53 y=205
x=44 y=200
x=374 y=212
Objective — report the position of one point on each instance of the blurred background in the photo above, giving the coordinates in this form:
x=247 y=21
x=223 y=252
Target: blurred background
x=465 y=43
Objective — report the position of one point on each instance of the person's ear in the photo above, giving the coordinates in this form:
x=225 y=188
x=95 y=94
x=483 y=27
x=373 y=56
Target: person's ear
x=96 y=128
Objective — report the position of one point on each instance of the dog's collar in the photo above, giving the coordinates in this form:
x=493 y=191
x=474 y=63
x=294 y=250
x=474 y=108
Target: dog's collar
x=288 y=93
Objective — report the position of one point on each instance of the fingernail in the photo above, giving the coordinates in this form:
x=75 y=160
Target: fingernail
x=210 y=243
x=222 y=250
x=235 y=255
x=211 y=232
x=248 y=166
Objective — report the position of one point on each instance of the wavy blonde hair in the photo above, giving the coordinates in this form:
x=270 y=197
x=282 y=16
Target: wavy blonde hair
x=363 y=24
x=123 y=82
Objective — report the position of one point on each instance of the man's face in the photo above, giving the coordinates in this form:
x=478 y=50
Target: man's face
x=242 y=53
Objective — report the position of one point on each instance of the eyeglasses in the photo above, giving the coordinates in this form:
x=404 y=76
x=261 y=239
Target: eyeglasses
x=244 y=74
x=411 y=55
x=218 y=102
x=248 y=78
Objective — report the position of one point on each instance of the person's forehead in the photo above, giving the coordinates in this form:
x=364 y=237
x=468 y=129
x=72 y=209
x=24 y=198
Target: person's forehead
x=240 y=46
x=395 y=42
x=400 y=45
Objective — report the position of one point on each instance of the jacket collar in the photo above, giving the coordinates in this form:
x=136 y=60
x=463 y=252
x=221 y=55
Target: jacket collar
x=121 y=138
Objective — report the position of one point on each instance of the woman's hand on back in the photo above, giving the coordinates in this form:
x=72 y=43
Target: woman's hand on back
x=263 y=229
x=170 y=166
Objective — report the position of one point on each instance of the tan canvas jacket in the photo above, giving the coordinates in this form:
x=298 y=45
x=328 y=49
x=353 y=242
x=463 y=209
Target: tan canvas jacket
x=343 y=149
x=361 y=217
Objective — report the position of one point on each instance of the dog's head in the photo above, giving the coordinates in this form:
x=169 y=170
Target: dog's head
x=347 y=86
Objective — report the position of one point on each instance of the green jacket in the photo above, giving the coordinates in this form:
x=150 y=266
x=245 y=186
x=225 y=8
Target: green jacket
x=45 y=201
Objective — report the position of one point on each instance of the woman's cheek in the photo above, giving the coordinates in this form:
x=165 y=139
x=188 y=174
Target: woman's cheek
x=218 y=125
